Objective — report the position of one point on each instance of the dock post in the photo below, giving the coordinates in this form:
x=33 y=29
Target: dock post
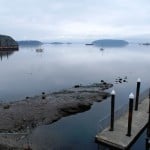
x=112 y=110
x=147 y=144
x=43 y=95
x=137 y=93
x=148 y=126
x=131 y=98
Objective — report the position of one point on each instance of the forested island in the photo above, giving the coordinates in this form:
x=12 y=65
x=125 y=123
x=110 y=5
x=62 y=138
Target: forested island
x=110 y=43
x=8 y=43
x=30 y=43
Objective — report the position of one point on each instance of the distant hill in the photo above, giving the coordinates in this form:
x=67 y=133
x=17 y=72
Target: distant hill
x=30 y=43
x=8 y=43
x=56 y=43
x=110 y=43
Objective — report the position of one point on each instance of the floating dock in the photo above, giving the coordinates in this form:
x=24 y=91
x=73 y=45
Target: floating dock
x=118 y=138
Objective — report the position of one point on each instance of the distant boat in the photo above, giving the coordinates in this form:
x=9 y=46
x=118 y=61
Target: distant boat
x=39 y=50
x=68 y=43
x=89 y=44
x=101 y=49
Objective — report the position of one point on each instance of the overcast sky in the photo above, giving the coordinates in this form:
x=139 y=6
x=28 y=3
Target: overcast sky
x=74 y=19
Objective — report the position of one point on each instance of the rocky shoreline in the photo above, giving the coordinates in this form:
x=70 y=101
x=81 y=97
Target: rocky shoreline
x=20 y=116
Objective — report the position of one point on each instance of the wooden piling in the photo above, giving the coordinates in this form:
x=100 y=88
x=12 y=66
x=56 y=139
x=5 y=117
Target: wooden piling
x=131 y=98
x=112 y=110
x=137 y=93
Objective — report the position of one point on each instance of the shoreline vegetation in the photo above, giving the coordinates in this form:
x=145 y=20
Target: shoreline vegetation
x=17 y=118
x=108 y=43
x=7 y=43
x=29 y=42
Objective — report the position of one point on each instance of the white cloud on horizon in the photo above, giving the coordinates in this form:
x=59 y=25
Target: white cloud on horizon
x=68 y=19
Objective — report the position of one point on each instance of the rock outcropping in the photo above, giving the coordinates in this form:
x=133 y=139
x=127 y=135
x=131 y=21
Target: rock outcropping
x=20 y=117
x=47 y=108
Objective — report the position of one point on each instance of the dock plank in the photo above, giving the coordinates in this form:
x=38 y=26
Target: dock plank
x=118 y=138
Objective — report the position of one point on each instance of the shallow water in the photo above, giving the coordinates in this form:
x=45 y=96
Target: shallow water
x=27 y=73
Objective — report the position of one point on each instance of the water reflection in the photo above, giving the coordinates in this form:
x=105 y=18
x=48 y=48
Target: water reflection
x=73 y=132
x=5 y=54
x=64 y=66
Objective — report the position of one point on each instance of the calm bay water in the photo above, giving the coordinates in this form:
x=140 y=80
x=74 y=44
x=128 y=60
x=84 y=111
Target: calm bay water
x=28 y=73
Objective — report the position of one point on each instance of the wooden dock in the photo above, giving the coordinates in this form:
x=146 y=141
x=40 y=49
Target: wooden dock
x=9 y=48
x=118 y=138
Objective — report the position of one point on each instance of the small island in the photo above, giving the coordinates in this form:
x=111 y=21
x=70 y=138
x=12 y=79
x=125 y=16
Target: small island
x=7 y=43
x=30 y=43
x=89 y=44
x=110 y=43
x=56 y=43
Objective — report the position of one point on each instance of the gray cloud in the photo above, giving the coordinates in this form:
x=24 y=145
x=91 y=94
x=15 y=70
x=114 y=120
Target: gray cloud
x=64 y=19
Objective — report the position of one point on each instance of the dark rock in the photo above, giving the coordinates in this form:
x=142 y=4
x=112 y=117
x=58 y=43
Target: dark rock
x=104 y=83
x=121 y=80
x=76 y=86
x=43 y=97
x=7 y=106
